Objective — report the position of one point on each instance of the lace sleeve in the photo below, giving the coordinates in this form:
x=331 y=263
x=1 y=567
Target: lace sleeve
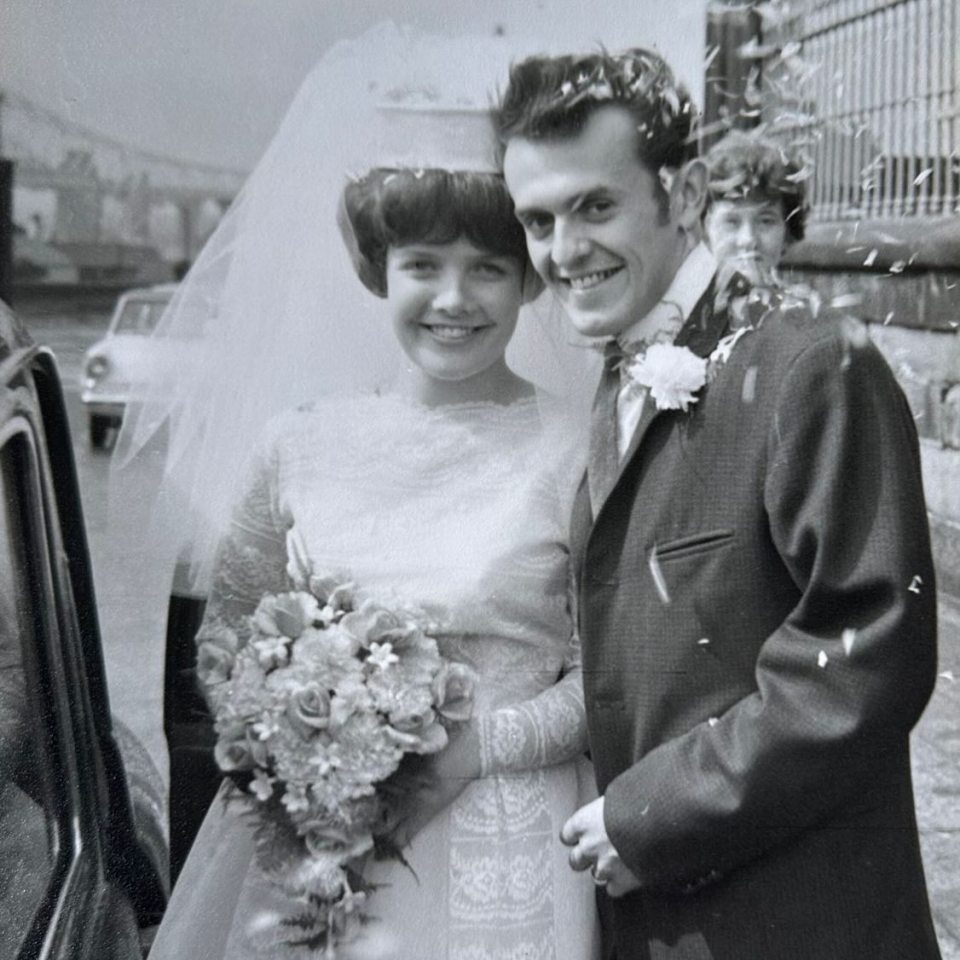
x=251 y=561
x=545 y=730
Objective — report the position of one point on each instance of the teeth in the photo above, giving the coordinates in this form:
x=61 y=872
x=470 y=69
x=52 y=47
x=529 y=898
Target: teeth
x=452 y=333
x=591 y=279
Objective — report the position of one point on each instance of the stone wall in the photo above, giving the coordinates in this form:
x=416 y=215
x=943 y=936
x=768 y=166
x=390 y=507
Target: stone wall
x=907 y=275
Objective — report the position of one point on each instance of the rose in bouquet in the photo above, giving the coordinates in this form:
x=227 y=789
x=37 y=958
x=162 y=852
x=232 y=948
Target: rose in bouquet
x=316 y=715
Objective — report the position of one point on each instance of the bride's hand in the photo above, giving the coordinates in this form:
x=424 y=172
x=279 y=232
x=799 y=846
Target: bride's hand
x=445 y=775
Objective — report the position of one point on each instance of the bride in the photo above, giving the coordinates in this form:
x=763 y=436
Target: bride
x=425 y=467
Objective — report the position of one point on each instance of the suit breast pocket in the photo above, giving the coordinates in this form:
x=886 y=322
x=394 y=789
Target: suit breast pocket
x=693 y=545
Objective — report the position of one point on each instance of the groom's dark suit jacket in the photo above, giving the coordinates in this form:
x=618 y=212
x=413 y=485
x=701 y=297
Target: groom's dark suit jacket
x=749 y=716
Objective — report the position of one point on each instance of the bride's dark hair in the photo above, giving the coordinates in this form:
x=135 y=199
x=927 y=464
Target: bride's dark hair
x=387 y=208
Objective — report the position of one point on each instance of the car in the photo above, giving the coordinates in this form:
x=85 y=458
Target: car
x=82 y=836
x=123 y=359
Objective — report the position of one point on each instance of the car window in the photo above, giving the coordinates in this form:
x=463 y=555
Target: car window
x=139 y=317
x=28 y=816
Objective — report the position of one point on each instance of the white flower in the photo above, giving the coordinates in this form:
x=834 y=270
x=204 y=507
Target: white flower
x=286 y=614
x=295 y=798
x=673 y=374
x=271 y=651
x=261 y=786
x=382 y=655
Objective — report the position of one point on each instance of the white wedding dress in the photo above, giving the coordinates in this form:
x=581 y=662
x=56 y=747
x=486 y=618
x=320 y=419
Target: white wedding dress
x=460 y=509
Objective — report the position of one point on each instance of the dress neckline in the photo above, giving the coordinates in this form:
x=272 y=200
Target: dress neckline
x=521 y=403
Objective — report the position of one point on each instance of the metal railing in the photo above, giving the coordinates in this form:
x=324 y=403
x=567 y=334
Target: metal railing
x=870 y=90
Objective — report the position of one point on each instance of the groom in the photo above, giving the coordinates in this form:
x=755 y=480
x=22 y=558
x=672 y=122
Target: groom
x=755 y=590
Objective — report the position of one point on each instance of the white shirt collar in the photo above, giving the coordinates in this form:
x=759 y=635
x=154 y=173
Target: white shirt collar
x=687 y=287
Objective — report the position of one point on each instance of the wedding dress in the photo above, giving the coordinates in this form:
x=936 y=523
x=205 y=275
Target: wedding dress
x=459 y=509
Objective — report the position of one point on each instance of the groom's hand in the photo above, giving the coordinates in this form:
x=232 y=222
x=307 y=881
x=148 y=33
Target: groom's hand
x=591 y=849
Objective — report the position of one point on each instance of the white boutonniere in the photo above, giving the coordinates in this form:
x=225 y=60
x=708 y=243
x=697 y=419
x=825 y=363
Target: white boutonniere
x=675 y=375
x=672 y=374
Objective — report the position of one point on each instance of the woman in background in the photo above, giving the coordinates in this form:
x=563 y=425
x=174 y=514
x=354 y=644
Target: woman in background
x=755 y=204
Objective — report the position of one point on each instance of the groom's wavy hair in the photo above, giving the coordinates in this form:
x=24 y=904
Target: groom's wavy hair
x=553 y=98
x=389 y=208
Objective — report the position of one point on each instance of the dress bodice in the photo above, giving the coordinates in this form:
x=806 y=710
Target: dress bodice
x=456 y=510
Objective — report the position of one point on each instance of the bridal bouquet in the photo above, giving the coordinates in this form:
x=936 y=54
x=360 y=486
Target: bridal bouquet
x=316 y=715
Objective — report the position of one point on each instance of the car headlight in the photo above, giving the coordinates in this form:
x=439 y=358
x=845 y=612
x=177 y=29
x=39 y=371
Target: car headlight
x=96 y=368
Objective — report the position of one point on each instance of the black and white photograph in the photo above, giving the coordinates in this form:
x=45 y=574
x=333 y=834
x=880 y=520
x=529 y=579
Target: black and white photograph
x=480 y=482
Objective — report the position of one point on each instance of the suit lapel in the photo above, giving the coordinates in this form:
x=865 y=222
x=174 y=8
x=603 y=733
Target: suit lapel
x=700 y=333
x=581 y=523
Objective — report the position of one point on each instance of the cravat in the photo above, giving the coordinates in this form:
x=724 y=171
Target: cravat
x=604 y=462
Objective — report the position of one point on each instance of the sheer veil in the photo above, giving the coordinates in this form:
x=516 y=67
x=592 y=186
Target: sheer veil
x=272 y=314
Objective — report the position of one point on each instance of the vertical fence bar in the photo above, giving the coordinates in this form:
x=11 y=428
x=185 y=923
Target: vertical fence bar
x=927 y=119
x=949 y=38
x=853 y=111
x=935 y=21
x=868 y=93
x=912 y=109
x=872 y=79
x=952 y=106
x=885 y=113
x=842 y=98
x=826 y=127
x=817 y=84
x=897 y=86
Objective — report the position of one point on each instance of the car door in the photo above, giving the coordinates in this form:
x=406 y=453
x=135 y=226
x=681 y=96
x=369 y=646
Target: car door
x=77 y=882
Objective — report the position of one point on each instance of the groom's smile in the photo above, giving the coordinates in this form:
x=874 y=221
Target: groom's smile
x=596 y=227
x=589 y=281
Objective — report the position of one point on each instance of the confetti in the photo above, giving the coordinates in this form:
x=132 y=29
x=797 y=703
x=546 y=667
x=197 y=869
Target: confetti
x=822 y=659
x=888 y=318
x=846 y=300
x=898 y=266
x=871 y=257
x=713 y=721
x=915 y=584
x=658 y=579
x=922 y=176
x=703 y=642
x=848 y=639
x=749 y=390
x=645 y=810
x=947 y=675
